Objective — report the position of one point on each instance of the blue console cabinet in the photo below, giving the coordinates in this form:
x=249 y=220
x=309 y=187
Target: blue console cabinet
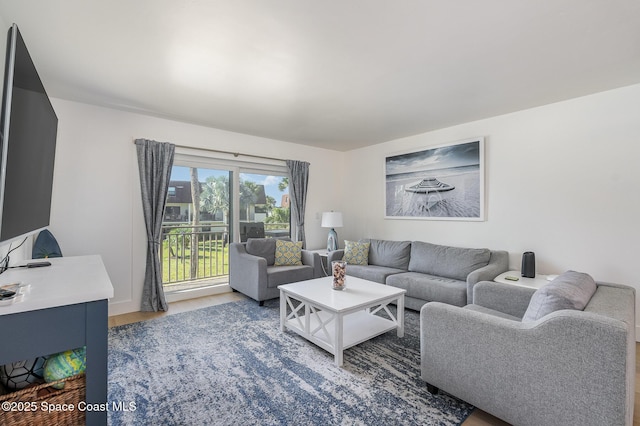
x=64 y=308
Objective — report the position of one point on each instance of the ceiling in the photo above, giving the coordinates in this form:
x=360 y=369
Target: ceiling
x=339 y=74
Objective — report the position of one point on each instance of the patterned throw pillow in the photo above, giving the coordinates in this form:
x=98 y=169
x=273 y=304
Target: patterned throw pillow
x=288 y=253
x=356 y=253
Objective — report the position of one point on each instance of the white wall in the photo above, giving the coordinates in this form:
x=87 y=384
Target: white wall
x=96 y=205
x=562 y=180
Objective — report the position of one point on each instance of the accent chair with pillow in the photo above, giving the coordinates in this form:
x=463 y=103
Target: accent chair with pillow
x=259 y=266
x=560 y=355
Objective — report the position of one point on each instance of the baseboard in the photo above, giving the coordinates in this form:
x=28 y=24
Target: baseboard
x=637 y=333
x=197 y=292
x=122 y=307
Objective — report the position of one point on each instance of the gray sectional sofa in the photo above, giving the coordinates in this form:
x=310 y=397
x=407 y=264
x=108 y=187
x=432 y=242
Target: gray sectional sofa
x=560 y=355
x=428 y=272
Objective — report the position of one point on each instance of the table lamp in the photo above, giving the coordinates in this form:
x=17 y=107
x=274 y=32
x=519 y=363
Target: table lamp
x=332 y=220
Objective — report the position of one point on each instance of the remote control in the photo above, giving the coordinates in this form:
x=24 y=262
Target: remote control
x=38 y=264
x=510 y=278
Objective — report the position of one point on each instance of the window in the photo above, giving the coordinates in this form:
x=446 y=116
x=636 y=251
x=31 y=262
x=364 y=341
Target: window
x=211 y=203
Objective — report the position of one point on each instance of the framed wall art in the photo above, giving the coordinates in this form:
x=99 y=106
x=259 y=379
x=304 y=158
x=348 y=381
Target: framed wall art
x=444 y=182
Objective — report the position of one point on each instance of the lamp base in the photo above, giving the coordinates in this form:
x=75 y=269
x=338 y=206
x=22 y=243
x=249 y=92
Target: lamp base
x=332 y=240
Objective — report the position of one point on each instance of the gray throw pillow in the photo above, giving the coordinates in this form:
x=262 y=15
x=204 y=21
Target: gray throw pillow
x=570 y=290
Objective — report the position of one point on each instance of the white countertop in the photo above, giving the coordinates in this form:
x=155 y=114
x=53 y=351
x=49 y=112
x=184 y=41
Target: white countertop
x=69 y=280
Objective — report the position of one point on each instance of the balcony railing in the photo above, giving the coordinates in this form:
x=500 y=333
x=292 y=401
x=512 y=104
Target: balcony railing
x=191 y=252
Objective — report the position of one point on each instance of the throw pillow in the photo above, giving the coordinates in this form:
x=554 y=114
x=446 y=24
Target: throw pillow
x=288 y=253
x=571 y=290
x=356 y=253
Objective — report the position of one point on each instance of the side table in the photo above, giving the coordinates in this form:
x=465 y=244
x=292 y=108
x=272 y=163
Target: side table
x=536 y=282
x=324 y=254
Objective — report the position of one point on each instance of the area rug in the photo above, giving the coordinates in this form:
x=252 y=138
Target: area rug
x=231 y=365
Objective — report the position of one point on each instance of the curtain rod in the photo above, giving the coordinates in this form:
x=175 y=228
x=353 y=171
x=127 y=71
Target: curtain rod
x=235 y=154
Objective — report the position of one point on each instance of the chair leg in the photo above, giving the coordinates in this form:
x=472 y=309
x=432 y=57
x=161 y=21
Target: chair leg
x=432 y=389
x=261 y=303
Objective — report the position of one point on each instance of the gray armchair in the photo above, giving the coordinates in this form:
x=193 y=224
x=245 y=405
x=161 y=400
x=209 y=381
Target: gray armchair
x=568 y=367
x=252 y=271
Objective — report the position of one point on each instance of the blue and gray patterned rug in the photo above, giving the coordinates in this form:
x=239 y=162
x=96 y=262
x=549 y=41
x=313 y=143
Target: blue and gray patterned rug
x=231 y=365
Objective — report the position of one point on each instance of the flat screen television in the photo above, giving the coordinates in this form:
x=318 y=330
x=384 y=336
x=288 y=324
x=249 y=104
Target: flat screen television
x=28 y=131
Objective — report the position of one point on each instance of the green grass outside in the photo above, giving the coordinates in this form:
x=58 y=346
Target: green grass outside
x=213 y=261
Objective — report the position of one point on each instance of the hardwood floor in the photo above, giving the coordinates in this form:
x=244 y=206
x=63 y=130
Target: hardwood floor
x=176 y=308
x=477 y=418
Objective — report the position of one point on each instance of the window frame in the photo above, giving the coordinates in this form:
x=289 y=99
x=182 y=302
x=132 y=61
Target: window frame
x=193 y=157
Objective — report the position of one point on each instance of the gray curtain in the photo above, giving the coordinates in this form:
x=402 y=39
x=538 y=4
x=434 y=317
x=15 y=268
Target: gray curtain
x=298 y=182
x=155 y=160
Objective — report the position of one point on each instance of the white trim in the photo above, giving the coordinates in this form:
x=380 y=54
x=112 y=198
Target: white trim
x=206 y=290
x=228 y=159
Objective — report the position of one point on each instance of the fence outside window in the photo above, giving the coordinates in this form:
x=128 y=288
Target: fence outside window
x=191 y=252
x=195 y=252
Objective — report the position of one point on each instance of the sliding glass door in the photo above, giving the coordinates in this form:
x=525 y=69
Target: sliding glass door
x=196 y=227
x=209 y=206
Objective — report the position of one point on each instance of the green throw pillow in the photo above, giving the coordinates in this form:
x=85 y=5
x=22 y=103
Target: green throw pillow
x=356 y=253
x=288 y=253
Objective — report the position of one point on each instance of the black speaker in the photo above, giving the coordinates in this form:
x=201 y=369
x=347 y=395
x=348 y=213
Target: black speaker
x=528 y=264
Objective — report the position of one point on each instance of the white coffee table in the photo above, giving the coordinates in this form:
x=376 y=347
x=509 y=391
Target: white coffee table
x=337 y=320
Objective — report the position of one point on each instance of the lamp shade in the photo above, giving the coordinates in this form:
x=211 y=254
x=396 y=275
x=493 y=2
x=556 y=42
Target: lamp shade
x=331 y=220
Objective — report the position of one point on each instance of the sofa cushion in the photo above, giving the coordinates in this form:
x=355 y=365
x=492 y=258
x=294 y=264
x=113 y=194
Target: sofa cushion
x=490 y=311
x=392 y=254
x=446 y=261
x=431 y=288
x=570 y=290
x=373 y=273
x=277 y=275
x=356 y=253
x=263 y=247
x=288 y=253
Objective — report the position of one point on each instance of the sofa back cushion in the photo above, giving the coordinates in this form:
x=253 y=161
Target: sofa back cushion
x=570 y=290
x=446 y=261
x=391 y=254
x=263 y=247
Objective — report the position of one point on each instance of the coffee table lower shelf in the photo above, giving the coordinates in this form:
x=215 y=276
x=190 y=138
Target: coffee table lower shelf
x=336 y=331
x=357 y=327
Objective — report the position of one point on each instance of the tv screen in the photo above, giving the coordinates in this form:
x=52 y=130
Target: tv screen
x=28 y=133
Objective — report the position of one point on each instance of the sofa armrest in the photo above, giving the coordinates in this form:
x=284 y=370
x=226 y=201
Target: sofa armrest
x=569 y=367
x=247 y=273
x=498 y=263
x=334 y=255
x=507 y=298
x=313 y=259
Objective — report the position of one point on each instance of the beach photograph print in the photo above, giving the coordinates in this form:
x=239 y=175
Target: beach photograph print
x=444 y=182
